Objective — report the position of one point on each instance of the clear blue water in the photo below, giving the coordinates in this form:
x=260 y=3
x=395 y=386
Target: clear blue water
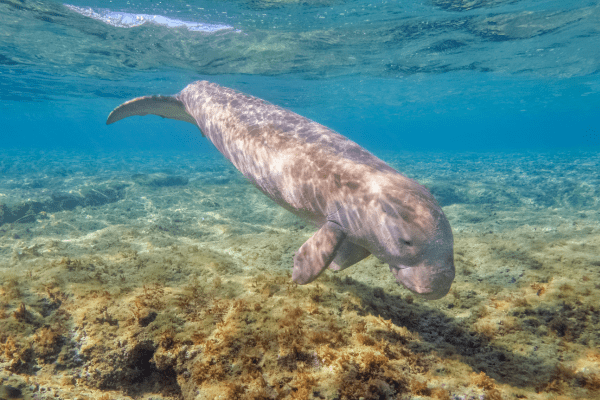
x=435 y=75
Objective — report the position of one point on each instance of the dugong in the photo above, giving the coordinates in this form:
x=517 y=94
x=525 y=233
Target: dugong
x=360 y=204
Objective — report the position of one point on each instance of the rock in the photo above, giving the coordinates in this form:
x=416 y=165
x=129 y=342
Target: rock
x=159 y=180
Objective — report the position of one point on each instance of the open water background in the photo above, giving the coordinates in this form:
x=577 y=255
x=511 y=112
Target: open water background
x=483 y=75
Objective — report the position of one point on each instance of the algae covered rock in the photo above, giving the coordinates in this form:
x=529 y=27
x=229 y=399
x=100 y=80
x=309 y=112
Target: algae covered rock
x=100 y=195
x=20 y=212
x=93 y=195
x=159 y=180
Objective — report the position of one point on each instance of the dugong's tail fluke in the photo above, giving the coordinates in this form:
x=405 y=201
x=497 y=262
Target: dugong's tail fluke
x=165 y=106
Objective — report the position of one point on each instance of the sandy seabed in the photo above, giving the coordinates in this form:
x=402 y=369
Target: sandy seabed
x=168 y=276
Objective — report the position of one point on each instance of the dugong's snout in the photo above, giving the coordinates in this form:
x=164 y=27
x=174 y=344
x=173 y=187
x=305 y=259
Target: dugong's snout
x=432 y=282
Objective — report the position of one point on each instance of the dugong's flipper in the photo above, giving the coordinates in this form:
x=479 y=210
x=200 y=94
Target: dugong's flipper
x=165 y=106
x=317 y=253
x=348 y=255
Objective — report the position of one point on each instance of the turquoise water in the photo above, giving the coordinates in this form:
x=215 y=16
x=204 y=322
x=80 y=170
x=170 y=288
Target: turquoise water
x=136 y=262
x=443 y=75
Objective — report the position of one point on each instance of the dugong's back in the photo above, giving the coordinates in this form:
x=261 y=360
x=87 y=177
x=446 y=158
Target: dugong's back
x=218 y=109
x=304 y=166
x=233 y=121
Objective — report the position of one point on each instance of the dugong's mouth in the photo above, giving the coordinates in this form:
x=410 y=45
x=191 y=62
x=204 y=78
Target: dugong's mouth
x=429 y=282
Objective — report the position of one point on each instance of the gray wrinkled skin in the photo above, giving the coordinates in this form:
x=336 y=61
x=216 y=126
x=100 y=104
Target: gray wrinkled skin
x=361 y=204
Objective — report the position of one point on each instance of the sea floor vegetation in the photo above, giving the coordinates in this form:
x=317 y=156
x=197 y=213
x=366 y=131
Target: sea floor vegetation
x=168 y=276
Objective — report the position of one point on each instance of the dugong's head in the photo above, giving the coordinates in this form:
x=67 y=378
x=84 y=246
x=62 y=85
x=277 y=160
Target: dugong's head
x=408 y=230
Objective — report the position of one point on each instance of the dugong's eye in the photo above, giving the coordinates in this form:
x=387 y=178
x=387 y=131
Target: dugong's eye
x=406 y=242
